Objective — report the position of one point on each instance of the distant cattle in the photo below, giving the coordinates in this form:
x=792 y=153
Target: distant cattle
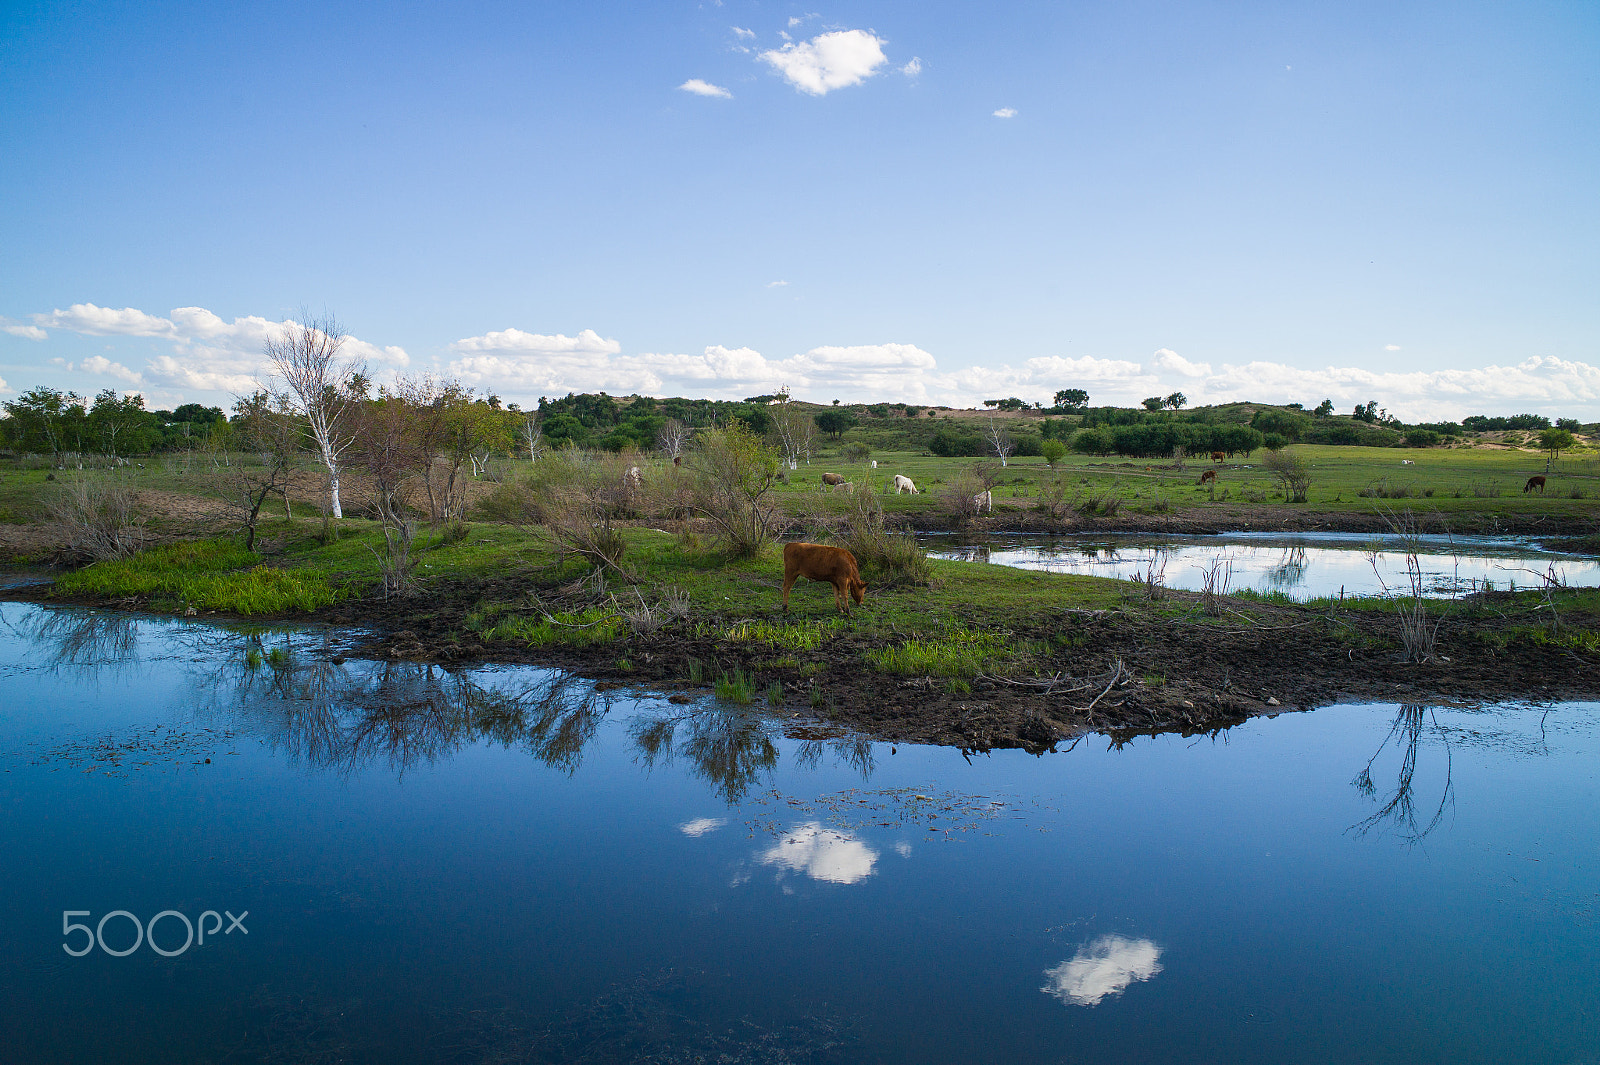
x=1407 y=462
x=818 y=562
x=846 y=487
x=833 y=478
x=677 y=460
x=984 y=501
x=874 y=463
x=633 y=480
x=1534 y=482
x=1219 y=457
x=902 y=483
x=1209 y=475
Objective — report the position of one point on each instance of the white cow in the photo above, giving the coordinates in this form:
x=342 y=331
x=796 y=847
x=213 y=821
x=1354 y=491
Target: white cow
x=1407 y=462
x=847 y=487
x=984 y=502
x=902 y=483
x=633 y=480
x=874 y=463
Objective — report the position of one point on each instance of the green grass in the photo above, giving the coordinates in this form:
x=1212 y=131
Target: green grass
x=577 y=628
x=204 y=575
x=736 y=687
x=961 y=654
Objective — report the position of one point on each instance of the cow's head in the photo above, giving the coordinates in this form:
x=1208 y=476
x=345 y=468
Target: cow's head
x=858 y=589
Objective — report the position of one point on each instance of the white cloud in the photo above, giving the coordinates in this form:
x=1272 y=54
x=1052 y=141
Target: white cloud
x=744 y=34
x=103 y=321
x=526 y=365
x=822 y=854
x=828 y=61
x=705 y=88
x=776 y=284
x=1006 y=112
x=1169 y=361
x=913 y=68
x=1102 y=968
x=209 y=354
x=1391 y=347
x=5 y=389
x=27 y=332
x=97 y=364
x=702 y=825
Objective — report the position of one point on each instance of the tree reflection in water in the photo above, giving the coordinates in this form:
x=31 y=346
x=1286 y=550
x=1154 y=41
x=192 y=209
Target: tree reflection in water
x=1290 y=572
x=319 y=710
x=344 y=716
x=1399 y=805
x=81 y=640
x=726 y=746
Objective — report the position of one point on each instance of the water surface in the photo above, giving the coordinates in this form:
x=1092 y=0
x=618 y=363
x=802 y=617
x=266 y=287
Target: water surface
x=1303 y=566
x=503 y=864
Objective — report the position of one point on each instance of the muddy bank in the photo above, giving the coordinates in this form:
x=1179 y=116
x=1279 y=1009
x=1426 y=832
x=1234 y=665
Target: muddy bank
x=1111 y=671
x=1116 y=671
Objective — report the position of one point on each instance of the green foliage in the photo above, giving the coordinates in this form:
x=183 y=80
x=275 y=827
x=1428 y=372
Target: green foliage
x=954 y=443
x=836 y=422
x=205 y=575
x=1053 y=451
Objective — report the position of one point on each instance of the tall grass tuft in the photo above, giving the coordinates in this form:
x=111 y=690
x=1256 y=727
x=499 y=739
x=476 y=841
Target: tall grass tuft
x=961 y=654
x=736 y=688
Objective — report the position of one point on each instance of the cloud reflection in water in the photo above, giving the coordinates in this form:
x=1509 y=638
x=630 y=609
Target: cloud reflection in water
x=1102 y=967
x=822 y=854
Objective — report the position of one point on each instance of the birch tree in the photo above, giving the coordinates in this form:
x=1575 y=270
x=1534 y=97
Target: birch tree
x=1000 y=441
x=328 y=390
x=795 y=428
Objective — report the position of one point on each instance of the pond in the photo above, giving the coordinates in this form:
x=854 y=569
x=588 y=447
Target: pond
x=1302 y=566
x=390 y=862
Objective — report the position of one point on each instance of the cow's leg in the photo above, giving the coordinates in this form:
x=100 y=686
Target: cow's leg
x=839 y=601
x=788 y=582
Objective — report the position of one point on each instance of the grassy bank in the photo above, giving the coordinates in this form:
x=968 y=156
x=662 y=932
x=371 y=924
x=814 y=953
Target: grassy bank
x=973 y=655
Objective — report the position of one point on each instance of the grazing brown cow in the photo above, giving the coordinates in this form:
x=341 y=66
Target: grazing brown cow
x=819 y=562
x=677 y=460
x=1534 y=482
x=1219 y=457
x=1209 y=475
x=833 y=478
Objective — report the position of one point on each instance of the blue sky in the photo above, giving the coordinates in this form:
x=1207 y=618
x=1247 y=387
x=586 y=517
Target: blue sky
x=930 y=202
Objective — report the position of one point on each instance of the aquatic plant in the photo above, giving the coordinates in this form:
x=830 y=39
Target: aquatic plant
x=736 y=688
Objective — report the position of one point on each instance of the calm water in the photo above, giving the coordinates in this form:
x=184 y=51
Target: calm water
x=1302 y=566
x=504 y=865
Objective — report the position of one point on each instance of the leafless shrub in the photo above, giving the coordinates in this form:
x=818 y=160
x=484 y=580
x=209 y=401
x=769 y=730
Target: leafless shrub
x=644 y=618
x=731 y=473
x=98 y=519
x=1417 y=635
x=1153 y=578
x=960 y=497
x=264 y=425
x=1214 y=586
x=388 y=447
x=1292 y=471
x=886 y=556
x=1105 y=504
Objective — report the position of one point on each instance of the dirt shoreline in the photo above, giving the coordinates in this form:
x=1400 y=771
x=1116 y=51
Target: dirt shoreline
x=1119 y=672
